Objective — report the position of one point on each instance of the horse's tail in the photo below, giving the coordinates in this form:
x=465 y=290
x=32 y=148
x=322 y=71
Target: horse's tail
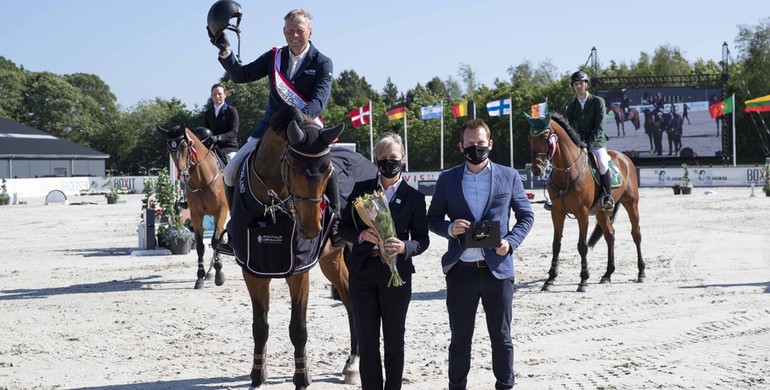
x=597 y=233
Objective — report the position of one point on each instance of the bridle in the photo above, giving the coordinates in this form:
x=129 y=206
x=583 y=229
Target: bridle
x=287 y=205
x=180 y=145
x=553 y=142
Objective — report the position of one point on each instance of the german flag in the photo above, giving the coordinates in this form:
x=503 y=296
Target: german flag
x=396 y=113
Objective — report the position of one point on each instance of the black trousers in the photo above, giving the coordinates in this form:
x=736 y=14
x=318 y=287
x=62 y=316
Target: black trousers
x=465 y=286
x=374 y=303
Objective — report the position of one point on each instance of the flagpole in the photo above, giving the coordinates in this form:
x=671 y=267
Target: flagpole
x=735 y=158
x=510 y=130
x=371 y=130
x=442 y=136
x=406 y=141
x=474 y=109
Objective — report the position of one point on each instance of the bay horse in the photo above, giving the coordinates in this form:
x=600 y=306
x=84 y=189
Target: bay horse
x=574 y=191
x=200 y=171
x=620 y=118
x=290 y=171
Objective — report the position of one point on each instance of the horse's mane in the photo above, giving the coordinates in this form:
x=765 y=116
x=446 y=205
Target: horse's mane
x=573 y=135
x=281 y=119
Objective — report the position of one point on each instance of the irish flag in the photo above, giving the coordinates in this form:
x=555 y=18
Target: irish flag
x=760 y=104
x=539 y=110
x=724 y=107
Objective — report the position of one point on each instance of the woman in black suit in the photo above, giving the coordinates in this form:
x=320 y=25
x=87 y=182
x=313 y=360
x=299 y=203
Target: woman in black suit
x=372 y=300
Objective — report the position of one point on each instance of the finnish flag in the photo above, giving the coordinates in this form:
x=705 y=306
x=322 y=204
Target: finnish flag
x=499 y=107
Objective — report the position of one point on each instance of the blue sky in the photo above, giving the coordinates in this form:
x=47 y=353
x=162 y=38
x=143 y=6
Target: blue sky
x=158 y=48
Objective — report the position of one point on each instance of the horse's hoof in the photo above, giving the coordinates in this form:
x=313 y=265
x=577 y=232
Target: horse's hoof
x=641 y=279
x=582 y=288
x=352 y=375
x=605 y=280
x=220 y=278
x=547 y=287
x=199 y=284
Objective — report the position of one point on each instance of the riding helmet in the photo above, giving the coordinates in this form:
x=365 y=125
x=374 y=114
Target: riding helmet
x=220 y=14
x=579 y=76
x=203 y=134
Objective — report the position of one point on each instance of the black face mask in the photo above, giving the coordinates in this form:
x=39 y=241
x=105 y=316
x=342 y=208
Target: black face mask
x=476 y=154
x=389 y=168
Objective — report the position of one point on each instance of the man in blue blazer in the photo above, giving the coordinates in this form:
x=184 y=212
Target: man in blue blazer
x=299 y=75
x=479 y=190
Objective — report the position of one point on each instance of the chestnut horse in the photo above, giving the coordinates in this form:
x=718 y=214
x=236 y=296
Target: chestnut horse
x=620 y=117
x=198 y=168
x=289 y=171
x=574 y=191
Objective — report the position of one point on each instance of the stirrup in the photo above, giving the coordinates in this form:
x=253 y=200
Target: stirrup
x=547 y=205
x=608 y=204
x=224 y=249
x=182 y=204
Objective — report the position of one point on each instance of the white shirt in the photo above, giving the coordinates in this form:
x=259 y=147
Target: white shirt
x=390 y=192
x=217 y=108
x=295 y=61
x=583 y=102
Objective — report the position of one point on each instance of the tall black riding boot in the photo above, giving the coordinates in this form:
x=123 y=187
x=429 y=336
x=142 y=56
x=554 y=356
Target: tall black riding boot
x=223 y=247
x=607 y=202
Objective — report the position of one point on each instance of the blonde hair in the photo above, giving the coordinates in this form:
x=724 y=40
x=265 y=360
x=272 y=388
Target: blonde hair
x=387 y=139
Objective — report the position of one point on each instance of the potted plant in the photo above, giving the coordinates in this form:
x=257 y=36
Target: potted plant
x=4 y=197
x=686 y=186
x=179 y=238
x=677 y=188
x=112 y=196
x=766 y=187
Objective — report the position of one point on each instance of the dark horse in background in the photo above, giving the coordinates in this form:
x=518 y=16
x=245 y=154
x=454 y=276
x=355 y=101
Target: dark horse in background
x=198 y=168
x=620 y=117
x=574 y=191
x=288 y=174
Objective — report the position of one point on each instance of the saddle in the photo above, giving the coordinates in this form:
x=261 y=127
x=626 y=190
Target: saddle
x=616 y=178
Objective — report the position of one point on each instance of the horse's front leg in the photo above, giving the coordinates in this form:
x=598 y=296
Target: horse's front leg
x=259 y=292
x=219 y=232
x=333 y=267
x=299 y=285
x=557 y=217
x=582 y=246
x=200 y=248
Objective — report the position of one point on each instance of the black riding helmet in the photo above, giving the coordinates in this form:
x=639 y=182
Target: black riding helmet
x=204 y=135
x=220 y=14
x=579 y=76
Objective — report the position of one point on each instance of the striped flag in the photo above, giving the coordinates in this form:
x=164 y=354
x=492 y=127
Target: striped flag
x=396 y=113
x=540 y=110
x=462 y=108
x=760 y=104
x=499 y=107
x=361 y=116
x=432 y=112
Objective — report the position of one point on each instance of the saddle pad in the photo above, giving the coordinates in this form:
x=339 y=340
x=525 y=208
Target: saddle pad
x=616 y=178
x=275 y=250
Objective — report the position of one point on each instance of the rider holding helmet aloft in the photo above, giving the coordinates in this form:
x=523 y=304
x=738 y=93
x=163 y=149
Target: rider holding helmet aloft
x=586 y=115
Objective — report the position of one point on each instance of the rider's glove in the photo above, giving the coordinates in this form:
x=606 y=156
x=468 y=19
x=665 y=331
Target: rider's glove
x=220 y=42
x=215 y=139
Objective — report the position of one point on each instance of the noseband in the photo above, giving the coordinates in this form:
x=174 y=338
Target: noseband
x=183 y=143
x=553 y=142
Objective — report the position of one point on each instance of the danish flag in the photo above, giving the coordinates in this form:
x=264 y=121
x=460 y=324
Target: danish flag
x=361 y=116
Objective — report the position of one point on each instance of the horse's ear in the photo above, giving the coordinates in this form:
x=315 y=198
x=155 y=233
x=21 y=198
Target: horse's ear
x=329 y=135
x=182 y=125
x=295 y=134
x=161 y=130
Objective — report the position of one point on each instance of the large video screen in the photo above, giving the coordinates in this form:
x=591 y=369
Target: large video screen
x=663 y=122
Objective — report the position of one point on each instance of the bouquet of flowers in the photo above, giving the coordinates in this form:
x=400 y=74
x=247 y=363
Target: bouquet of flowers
x=373 y=210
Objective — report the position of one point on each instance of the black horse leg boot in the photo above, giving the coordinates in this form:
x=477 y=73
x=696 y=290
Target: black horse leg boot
x=607 y=202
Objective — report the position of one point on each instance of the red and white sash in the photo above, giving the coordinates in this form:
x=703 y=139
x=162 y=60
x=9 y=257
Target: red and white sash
x=285 y=89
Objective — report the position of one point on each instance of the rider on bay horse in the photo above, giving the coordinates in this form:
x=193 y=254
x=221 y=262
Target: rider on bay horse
x=586 y=115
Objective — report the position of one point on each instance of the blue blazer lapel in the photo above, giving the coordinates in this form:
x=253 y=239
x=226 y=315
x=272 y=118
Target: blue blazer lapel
x=459 y=195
